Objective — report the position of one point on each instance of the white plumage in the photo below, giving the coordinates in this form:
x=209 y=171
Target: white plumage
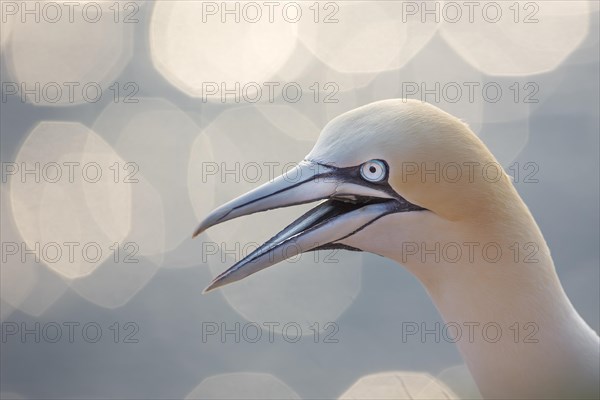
x=561 y=357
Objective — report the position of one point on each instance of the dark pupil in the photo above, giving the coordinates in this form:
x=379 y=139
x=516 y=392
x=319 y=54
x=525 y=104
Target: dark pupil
x=372 y=169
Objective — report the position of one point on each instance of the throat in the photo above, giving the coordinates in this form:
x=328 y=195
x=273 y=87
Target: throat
x=527 y=340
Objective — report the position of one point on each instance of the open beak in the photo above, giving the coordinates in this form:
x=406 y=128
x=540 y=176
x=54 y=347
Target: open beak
x=352 y=203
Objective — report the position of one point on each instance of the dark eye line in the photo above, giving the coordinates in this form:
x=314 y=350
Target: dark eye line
x=354 y=171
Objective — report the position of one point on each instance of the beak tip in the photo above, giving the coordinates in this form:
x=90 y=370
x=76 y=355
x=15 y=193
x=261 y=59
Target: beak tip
x=213 y=285
x=213 y=219
x=201 y=228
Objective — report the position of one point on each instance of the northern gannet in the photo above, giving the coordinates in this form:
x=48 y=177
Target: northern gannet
x=375 y=166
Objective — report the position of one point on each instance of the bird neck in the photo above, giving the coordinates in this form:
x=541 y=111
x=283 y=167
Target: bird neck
x=521 y=336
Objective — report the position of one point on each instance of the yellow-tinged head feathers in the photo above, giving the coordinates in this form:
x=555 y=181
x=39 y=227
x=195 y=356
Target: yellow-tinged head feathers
x=435 y=160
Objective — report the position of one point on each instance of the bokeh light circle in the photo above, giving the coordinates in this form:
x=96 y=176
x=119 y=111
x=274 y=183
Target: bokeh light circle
x=243 y=385
x=50 y=207
x=363 y=36
x=398 y=385
x=192 y=47
x=518 y=37
x=69 y=55
x=25 y=284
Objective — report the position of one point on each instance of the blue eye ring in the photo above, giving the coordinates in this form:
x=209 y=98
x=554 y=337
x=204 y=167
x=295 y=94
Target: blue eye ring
x=373 y=171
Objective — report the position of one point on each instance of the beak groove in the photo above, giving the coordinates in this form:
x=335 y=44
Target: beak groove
x=305 y=183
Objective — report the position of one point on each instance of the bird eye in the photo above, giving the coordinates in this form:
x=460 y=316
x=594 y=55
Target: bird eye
x=373 y=171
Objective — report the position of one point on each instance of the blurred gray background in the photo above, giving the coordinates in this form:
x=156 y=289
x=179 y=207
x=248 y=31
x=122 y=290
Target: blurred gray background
x=172 y=134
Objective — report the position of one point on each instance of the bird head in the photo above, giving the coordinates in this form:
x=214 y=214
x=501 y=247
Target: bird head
x=387 y=168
